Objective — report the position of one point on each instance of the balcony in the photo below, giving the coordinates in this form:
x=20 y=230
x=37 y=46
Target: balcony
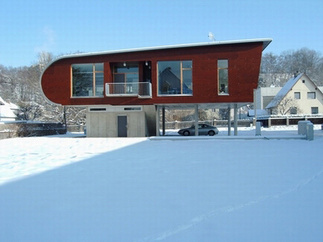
x=128 y=89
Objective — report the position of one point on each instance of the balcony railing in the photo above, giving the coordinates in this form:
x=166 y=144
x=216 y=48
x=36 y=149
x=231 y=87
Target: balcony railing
x=139 y=89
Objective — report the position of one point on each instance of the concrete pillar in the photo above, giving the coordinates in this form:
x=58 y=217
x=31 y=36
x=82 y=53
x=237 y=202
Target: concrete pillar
x=157 y=121
x=229 y=121
x=163 y=120
x=196 y=119
x=235 y=118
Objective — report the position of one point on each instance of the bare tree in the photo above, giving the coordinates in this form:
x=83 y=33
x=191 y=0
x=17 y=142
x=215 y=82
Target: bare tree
x=44 y=58
x=277 y=69
x=285 y=106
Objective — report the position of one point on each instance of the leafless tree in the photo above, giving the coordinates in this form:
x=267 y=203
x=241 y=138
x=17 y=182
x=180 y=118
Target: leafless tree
x=277 y=69
x=285 y=106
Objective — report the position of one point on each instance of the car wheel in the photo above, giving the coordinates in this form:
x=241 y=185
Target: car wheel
x=211 y=133
x=186 y=133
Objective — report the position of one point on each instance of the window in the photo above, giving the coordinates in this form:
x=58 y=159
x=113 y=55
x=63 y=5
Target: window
x=311 y=95
x=297 y=95
x=315 y=110
x=293 y=110
x=175 y=77
x=126 y=78
x=87 y=80
x=223 y=77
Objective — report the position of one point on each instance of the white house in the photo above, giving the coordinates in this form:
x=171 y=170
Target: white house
x=299 y=95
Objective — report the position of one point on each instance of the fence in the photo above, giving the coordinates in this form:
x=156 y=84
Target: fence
x=23 y=129
x=288 y=120
x=218 y=123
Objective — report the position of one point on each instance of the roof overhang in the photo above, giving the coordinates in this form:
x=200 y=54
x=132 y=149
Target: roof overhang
x=265 y=41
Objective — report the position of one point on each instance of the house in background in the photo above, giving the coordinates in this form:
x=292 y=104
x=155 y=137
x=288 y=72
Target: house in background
x=263 y=96
x=299 y=95
x=7 y=111
x=126 y=91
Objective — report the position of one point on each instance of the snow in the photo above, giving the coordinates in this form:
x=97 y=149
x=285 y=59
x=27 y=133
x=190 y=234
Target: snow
x=245 y=188
x=6 y=111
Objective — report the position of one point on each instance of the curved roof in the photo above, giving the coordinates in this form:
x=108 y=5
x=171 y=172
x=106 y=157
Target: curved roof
x=265 y=41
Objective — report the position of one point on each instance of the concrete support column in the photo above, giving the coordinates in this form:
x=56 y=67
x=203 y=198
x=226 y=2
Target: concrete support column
x=163 y=120
x=229 y=120
x=196 y=119
x=157 y=121
x=235 y=118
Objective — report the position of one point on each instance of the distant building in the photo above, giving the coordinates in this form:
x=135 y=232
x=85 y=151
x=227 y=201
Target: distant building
x=299 y=96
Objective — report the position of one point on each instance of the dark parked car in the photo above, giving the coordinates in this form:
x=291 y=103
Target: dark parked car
x=204 y=129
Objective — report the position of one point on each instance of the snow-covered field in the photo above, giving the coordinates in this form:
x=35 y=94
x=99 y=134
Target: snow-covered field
x=69 y=188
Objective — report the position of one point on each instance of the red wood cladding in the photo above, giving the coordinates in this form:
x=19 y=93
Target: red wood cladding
x=244 y=64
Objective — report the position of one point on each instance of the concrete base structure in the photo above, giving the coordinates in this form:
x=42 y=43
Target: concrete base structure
x=120 y=121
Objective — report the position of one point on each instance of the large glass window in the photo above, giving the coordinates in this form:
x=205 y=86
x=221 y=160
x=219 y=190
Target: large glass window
x=87 y=80
x=223 y=77
x=175 y=77
x=126 y=78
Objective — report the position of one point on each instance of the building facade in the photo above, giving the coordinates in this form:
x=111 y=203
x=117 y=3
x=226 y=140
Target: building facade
x=124 y=90
x=299 y=96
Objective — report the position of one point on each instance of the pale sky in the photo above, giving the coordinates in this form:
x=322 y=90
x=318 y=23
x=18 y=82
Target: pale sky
x=28 y=27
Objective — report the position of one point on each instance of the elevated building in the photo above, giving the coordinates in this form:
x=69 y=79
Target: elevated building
x=124 y=91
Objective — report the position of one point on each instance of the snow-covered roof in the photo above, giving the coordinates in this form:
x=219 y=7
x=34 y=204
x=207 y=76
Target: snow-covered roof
x=265 y=41
x=283 y=92
x=6 y=110
x=286 y=88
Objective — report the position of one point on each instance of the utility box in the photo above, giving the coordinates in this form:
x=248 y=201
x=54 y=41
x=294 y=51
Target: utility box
x=302 y=126
x=258 y=128
x=310 y=131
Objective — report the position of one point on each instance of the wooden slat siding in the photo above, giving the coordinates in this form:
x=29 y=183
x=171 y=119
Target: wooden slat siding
x=244 y=65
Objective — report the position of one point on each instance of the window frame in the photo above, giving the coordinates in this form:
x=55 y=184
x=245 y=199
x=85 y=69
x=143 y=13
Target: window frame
x=182 y=70
x=94 y=80
x=126 y=69
x=220 y=68
x=309 y=95
x=297 y=94
x=316 y=110
x=293 y=110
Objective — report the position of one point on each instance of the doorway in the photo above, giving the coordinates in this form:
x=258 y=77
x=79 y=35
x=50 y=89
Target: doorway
x=122 y=126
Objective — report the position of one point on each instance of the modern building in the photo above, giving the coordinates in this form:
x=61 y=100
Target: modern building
x=126 y=91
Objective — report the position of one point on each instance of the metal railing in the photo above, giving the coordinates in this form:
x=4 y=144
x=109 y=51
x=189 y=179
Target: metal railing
x=140 y=89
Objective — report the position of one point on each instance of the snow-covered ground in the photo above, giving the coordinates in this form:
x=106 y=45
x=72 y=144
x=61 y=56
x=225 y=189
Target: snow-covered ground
x=69 y=188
